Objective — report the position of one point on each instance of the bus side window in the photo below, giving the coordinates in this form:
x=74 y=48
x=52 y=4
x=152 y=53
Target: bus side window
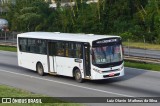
x=43 y=48
x=41 y=45
x=67 y=49
x=23 y=44
x=71 y=50
x=78 y=50
x=52 y=48
x=60 y=48
x=20 y=47
x=31 y=45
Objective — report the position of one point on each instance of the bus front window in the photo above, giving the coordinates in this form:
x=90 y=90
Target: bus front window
x=107 y=54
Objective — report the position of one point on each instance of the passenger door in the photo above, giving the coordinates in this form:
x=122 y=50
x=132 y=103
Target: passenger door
x=51 y=57
x=86 y=58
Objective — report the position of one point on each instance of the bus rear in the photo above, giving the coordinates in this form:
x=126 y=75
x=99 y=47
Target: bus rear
x=107 y=58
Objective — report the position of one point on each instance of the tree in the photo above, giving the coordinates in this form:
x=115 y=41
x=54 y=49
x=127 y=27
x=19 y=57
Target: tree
x=29 y=12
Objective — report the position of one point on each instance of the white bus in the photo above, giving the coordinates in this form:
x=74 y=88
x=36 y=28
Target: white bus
x=82 y=56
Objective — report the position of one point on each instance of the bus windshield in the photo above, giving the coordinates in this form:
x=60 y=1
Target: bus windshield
x=107 y=54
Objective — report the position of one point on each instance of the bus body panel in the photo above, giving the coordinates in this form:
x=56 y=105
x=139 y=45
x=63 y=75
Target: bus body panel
x=29 y=60
x=65 y=66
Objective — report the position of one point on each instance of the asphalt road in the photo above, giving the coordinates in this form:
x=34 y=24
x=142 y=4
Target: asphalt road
x=136 y=83
x=142 y=52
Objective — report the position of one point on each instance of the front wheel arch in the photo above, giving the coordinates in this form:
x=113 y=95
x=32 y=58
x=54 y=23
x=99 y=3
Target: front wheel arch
x=78 y=75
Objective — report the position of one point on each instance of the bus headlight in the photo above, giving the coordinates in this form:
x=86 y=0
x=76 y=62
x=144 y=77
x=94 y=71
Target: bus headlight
x=99 y=71
x=120 y=68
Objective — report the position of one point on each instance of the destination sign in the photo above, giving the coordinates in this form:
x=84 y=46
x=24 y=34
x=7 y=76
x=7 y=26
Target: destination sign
x=106 y=41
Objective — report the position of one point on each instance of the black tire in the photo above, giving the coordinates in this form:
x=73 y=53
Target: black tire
x=40 y=69
x=78 y=76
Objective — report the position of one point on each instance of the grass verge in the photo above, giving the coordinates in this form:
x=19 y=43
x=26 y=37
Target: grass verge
x=146 y=66
x=142 y=45
x=8 y=48
x=6 y=91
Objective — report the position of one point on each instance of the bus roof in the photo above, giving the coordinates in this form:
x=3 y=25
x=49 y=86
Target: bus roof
x=65 y=36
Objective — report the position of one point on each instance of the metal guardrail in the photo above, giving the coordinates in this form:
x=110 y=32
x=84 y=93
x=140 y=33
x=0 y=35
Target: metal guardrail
x=142 y=59
x=142 y=55
x=13 y=44
x=8 y=38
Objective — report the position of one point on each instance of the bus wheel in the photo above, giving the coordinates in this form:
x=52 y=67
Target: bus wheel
x=40 y=69
x=78 y=76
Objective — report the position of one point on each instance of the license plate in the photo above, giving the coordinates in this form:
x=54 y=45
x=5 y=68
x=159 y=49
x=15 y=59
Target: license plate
x=111 y=74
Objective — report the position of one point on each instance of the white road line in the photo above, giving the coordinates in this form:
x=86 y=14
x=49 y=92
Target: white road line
x=64 y=83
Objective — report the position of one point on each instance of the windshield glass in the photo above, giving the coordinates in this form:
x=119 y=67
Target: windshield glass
x=107 y=54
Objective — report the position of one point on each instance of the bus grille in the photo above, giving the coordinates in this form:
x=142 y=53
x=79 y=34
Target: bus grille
x=110 y=70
